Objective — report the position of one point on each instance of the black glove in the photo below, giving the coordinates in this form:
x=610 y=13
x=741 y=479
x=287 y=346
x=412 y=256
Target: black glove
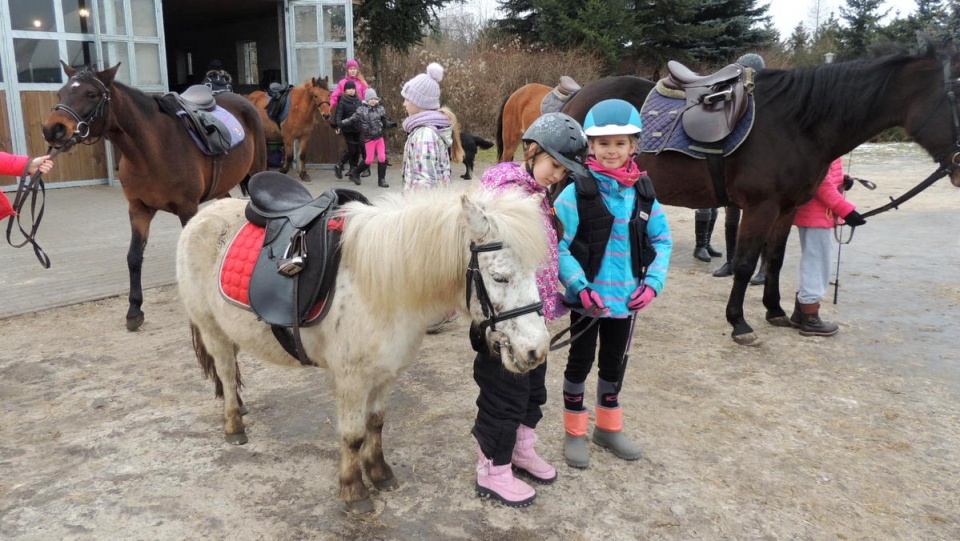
x=333 y=124
x=854 y=219
x=391 y=124
x=847 y=183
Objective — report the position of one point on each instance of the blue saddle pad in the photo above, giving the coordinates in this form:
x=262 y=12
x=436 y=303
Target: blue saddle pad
x=663 y=131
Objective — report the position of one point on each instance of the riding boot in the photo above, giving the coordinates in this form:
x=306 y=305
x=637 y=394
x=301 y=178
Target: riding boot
x=382 y=175
x=812 y=325
x=356 y=171
x=731 y=225
x=575 y=450
x=366 y=172
x=609 y=433
x=761 y=277
x=710 y=249
x=702 y=238
x=498 y=482
x=796 y=318
x=338 y=170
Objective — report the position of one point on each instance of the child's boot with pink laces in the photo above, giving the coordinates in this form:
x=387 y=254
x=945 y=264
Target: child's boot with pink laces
x=499 y=483
x=526 y=460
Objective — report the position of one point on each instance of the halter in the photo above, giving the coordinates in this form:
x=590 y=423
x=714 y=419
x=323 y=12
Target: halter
x=947 y=166
x=82 y=130
x=475 y=278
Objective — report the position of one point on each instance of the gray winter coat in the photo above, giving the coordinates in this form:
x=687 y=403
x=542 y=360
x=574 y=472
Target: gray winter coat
x=370 y=120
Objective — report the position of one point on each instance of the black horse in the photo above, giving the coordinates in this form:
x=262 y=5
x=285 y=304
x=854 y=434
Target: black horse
x=805 y=119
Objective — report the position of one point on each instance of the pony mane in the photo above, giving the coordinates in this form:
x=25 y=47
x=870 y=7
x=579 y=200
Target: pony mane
x=811 y=94
x=407 y=248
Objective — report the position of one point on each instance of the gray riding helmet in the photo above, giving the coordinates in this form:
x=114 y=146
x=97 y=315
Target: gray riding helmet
x=752 y=60
x=562 y=138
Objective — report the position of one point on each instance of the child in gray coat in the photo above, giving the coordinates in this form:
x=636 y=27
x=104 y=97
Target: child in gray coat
x=371 y=119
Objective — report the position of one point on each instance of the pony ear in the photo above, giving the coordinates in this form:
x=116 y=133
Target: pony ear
x=68 y=69
x=106 y=76
x=477 y=221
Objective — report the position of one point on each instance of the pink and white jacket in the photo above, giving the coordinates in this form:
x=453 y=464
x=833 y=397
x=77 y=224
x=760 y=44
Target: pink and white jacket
x=826 y=203
x=511 y=175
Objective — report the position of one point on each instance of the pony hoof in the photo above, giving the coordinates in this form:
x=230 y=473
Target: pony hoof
x=304 y=176
x=360 y=507
x=779 y=321
x=133 y=323
x=747 y=339
x=239 y=438
x=387 y=485
x=244 y=410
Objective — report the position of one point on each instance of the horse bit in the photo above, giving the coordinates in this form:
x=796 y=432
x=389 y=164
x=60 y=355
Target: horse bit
x=82 y=130
x=474 y=278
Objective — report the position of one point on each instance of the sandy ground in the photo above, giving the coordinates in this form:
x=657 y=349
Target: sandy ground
x=106 y=434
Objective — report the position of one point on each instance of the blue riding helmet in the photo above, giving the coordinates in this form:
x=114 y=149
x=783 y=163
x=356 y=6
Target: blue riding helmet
x=561 y=137
x=612 y=117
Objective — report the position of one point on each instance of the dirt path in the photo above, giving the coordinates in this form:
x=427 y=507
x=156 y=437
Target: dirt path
x=106 y=434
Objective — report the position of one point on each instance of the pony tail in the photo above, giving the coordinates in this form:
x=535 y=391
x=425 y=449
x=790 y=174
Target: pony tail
x=456 y=151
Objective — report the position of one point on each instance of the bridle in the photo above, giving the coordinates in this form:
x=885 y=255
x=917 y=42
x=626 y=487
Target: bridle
x=82 y=130
x=948 y=162
x=475 y=281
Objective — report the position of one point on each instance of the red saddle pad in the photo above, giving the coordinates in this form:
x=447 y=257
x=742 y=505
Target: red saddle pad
x=237 y=266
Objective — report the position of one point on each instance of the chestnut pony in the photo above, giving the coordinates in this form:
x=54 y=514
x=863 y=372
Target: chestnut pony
x=308 y=103
x=805 y=119
x=162 y=167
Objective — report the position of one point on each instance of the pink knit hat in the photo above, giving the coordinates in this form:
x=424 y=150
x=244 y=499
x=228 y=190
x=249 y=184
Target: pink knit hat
x=352 y=63
x=424 y=89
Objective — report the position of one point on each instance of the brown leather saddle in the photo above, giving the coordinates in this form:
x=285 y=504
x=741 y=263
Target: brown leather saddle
x=297 y=267
x=715 y=102
x=560 y=95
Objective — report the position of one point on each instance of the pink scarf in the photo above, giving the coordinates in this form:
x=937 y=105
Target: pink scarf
x=626 y=175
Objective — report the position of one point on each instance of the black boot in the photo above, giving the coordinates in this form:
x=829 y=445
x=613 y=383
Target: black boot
x=382 y=175
x=355 y=173
x=713 y=221
x=725 y=270
x=338 y=170
x=702 y=238
x=812 y=325
x=761 y=277
x=796 y=318
x=731 y=225
x=365 y=172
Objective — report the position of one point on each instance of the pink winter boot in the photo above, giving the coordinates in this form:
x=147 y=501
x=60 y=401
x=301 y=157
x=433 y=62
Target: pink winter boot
x=526 y=461
x=499 y=483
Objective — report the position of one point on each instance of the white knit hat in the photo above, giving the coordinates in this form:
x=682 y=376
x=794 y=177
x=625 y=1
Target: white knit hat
x=424 y=89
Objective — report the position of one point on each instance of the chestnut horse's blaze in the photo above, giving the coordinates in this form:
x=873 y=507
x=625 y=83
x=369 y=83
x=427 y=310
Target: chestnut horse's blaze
x=162 y=168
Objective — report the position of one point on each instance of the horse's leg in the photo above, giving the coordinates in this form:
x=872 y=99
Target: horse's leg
x=352 y=398
x=287 y=153
x=218 y=359
x=140 y=218
x=302 y=165
x=754 y=230
x=371 y=454
x=776 y=247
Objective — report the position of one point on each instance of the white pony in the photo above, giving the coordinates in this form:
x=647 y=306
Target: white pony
x=402 y=268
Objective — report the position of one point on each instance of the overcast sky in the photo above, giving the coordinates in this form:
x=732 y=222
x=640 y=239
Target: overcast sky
x=786 y=14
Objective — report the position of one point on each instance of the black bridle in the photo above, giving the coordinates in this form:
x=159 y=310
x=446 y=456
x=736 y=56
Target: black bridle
x=949 y=160
x=475 y=281
x=82 y=130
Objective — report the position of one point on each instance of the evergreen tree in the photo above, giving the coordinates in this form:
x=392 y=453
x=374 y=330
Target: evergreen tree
x=863 y=23
x=394 y=24
x=797 y=42
x=734 y=27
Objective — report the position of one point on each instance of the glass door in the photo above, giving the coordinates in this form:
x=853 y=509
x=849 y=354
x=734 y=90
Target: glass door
x=320 y=39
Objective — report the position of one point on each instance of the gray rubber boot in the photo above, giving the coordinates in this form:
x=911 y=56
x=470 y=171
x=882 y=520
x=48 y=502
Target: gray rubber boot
x=611 y=435
x=575 y=449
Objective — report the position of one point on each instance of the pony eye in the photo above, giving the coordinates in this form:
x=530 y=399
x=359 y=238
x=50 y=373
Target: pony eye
x=500 y=279
x=92 y=95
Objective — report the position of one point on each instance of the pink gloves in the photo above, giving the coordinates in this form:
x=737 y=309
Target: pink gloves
x=641 y=298
x=592 y=303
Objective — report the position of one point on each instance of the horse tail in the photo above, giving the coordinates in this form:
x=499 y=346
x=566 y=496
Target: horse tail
x=503 y=105
x=207 y=363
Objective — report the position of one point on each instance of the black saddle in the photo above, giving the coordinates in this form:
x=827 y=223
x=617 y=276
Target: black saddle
x=715 y=102
x=194 y=106
x=297 y=266
x=279 y=94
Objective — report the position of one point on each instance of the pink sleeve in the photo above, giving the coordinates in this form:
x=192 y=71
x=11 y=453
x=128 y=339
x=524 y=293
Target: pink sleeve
x=829 y=191
x=336 y=92
x=11 y=164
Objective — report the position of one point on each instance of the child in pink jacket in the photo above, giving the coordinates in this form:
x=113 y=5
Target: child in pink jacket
x=815 y=220
x=11 y=164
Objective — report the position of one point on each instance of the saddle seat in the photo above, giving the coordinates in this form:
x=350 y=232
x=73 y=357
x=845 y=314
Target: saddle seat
x=554 y=100
x=715 y=102
x=567 y=87
x=296 y=270
x=199 y=97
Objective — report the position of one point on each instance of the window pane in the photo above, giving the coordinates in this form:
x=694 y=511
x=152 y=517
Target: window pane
x=81 y=53
x=111 y=17
x=32 y=15
x=334 y=60
x=76 y=16
x=308 y=60
x=334 y=23
x=148 y=63
x=37 y=61
x=144 y=14
x=114 y=53
x=305 y=24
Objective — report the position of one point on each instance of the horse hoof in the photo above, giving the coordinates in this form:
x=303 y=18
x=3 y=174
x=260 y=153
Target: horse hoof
x=747 y=339
x=133 y=323
x=387 y=485
x=360 y=507
x=239 y=438
x=779 y=321
x=305 y=177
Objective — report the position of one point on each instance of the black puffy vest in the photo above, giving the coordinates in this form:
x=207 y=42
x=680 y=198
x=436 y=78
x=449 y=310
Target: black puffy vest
x=596 y=224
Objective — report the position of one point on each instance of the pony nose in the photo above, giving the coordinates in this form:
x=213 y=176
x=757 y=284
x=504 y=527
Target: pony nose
x=54 y=133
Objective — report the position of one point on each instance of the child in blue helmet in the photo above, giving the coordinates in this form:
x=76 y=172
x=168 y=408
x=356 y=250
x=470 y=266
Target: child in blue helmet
x=614 y=257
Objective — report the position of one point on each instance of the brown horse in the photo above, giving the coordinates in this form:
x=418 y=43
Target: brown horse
x=308 y=103
x=162 y=167
x=805 y=119
x=517 y=112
